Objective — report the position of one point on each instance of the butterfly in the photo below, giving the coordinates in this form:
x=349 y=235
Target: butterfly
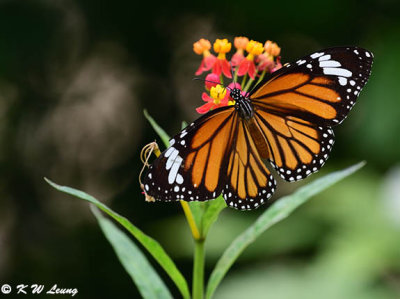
x=286 y=121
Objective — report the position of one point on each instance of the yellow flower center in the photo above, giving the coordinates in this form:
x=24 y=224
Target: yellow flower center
x=222 y=46
x=254 y=48
x=218 y=93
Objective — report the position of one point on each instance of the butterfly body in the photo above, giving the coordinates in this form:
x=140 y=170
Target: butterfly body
x=242 y=105
x=285 y=120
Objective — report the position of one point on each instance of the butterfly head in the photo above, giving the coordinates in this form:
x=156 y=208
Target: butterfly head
x=236 y=94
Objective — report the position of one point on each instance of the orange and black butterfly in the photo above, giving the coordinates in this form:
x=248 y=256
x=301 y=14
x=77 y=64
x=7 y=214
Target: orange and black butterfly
x=285 y=120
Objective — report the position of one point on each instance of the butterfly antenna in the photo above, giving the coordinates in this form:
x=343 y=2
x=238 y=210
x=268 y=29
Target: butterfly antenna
x=204 y=80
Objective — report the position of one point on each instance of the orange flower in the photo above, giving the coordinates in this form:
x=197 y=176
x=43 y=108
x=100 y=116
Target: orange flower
x=202 y=47
x=221 y=65
x=240 y=44
x=278 y=65
x=272 y=48
x=247 y=66
x=265 y=61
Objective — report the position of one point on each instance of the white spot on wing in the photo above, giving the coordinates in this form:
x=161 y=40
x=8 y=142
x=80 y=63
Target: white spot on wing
x=342 y=81
x=169 y=152
x=316 y=55
x=329 y=63
x=325 y=57
x=174 y=169
x=337 y=72
x=179 y=180
x=171 y=158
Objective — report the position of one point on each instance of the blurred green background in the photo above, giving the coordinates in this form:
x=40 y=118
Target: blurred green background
x=74 y=79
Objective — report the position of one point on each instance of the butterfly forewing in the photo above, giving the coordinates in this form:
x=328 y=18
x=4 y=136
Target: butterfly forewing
x=297 y=106
x=191 y=168
x=321 y=87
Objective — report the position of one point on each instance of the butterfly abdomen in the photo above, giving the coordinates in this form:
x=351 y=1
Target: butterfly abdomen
x=258 y=138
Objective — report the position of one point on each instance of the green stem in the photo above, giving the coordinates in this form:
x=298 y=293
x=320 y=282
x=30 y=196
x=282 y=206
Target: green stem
x=244 y=81
x=261 y=76
x=235 y=75
x=198 y=270
x=246 y=88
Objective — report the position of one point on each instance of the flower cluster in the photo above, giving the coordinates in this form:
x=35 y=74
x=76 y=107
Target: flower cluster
x=251 y=61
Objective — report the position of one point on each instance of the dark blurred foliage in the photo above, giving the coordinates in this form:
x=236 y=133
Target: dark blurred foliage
x=74 y=79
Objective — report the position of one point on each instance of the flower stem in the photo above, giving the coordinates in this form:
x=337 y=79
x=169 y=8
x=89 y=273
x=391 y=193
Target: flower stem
x=246 y=88
x=198 y=270
x=261 y=76
x=244 y=81
x=190 y=220
x=235 y=76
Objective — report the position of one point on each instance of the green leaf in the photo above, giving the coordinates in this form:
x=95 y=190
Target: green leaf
x=133 y=260
x=153 y=247
x=198 y=208
x=160 y=131
x=205 y=213
x=211 y=213
x=277 y=212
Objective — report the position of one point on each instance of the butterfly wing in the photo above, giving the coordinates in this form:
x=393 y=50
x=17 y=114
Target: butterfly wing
x=213 y=155
x=296 y=148
x=321 y=87
x=191 y=168
x=296 y=107
x=294 y=110
x=249 y=183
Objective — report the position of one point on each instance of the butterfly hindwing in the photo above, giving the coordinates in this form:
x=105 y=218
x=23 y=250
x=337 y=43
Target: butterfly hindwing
x=297 y=148
x=249 y=183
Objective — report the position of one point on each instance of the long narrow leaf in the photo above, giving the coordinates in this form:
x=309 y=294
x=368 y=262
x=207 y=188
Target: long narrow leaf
x=153 y=247
x=160 y=131
x=277 y=212
x=133 y=260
